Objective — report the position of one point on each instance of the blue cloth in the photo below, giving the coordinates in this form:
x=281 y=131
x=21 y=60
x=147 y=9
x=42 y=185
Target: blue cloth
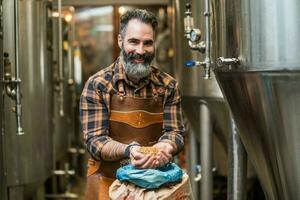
x=150 y=178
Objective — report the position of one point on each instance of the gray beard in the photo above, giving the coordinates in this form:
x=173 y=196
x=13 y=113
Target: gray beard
x=134 y=70
x=137 y=70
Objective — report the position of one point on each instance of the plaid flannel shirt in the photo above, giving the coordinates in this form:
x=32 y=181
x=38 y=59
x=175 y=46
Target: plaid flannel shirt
x=95 y=105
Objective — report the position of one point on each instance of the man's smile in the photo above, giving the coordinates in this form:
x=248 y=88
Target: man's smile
x=139 y=60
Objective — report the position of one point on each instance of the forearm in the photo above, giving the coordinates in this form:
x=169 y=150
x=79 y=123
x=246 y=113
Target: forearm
x=173 y=127
x=95 y=143
x=113 y=150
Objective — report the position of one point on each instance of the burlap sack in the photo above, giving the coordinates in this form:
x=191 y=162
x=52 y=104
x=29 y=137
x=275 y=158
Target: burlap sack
x=129 y=191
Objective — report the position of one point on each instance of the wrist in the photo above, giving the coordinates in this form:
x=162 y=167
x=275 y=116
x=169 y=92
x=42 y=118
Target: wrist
x=128 y=148
x=171 y=145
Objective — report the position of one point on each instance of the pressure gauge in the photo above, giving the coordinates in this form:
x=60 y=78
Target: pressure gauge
x=195 y=35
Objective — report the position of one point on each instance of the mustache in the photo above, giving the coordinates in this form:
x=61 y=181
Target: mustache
x=147 y=57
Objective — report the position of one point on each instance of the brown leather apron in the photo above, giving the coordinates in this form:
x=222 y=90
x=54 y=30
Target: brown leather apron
x=131 y=119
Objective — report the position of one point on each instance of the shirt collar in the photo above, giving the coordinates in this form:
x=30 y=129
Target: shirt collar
x=154 y=76
x=119 y=72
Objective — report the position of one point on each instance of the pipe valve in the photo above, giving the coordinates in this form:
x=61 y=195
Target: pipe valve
x=227 y=61
x=194 y=36
x=7 y=67
x=193 y=63
x=188 y=21
x=10 y=84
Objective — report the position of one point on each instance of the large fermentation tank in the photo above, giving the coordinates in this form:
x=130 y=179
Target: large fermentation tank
x=207 y=114
x=2 y=180
x=27 y=158
x=191 y=80
x=194 y=89
x=64 y=100
x=263 y=91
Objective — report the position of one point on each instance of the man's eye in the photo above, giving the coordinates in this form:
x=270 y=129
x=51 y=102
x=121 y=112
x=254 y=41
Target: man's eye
x=133 y=42
x=148 y=43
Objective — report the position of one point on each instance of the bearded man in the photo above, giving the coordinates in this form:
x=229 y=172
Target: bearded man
x=128 y=105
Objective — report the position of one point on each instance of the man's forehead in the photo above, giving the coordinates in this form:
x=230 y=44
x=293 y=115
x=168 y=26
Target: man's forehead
x=137 y=29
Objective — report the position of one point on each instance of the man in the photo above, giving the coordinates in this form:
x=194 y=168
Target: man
x=128 y=105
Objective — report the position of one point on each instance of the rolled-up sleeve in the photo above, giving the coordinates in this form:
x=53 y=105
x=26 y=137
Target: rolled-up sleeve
x=94 y=118
x=173 y=127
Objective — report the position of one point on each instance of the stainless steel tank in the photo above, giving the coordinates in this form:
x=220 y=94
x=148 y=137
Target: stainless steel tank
x=191 y=79
x=194 y=88
x=63 y=107
x=263 y=91
x=204 y=107
x=28 y=157
x=2 y=180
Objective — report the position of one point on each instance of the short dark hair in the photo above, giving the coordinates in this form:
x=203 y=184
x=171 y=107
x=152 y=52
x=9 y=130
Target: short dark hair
x=142 y=15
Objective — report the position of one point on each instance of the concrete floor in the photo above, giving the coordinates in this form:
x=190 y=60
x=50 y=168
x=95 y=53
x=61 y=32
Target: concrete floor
x=79 y=187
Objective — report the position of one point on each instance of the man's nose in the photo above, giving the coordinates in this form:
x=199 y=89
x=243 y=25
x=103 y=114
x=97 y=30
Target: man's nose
x=140 y=49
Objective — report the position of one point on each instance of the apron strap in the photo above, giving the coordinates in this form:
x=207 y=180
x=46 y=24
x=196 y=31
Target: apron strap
x=154 y=91
x=121 y=90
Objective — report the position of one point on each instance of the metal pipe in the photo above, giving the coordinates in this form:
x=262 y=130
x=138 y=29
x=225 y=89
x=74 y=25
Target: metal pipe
x=17 y=71
x=70 y=67
x=3 y=188
x=8 y=83
x=197 y=46
x=71 y=37
x=208 y=40
x=193 y=161
x=206 y=151
x=176 y=35
x=66 y=195
x=237 y=166
x=60 y=61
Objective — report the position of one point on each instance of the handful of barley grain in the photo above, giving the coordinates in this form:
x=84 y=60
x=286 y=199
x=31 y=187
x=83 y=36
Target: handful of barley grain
x=149 y=150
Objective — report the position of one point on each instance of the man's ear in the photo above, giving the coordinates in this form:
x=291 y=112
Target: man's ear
x=120 y=40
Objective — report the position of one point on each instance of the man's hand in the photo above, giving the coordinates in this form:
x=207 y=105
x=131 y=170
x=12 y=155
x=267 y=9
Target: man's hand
x=164 y=155
x=140 y=160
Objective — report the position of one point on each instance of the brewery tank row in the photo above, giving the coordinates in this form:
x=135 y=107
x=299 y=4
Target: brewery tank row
x=39 y=145
x=246 y=110
x=255 y=60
